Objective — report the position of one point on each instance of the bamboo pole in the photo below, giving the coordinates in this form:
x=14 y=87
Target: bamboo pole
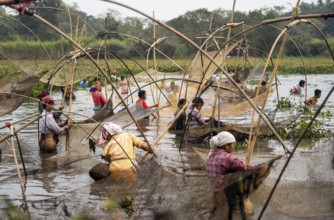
x=280 y=54
x=91 y=58
x=12 y=134
x=21 y=155
x=213 y=61
x=293 y=151
x=155 y=62
x=19 y=129
x=70 y=105
x=19 y=120
x=74 y=62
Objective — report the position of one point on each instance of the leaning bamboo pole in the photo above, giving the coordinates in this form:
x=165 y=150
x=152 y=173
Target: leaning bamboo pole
x=12 y=134
x=19 y=120
x=155 y=62
x=92 y=59
x=293 y=151
x=19 y=129
x=286 y=32
x=73 y=68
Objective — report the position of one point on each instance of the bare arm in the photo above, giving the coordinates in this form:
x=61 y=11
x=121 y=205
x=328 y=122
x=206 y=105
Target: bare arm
x=145 y=147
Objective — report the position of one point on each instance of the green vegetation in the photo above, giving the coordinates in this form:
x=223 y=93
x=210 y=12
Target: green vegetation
x=127 y=205
x=13 y=212
x=193 y=23
x=316 y=130
x=284 y=102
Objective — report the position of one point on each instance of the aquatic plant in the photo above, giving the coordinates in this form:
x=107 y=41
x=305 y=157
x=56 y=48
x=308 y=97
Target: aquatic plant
x=284 y=102
x=317 y=129
x=13 y=212
x=127 y=205
x=109 y=204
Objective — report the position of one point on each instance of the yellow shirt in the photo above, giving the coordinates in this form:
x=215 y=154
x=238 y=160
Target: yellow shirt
x=119 y=160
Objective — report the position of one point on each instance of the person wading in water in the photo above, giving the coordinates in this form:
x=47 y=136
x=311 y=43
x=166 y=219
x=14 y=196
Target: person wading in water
x=98 y=97
x=49 y=129
x=221 y=162
x=120 y=151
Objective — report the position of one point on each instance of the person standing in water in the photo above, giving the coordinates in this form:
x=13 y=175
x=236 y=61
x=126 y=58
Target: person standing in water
x=49 y=129
x=98 y=97
x=180 y=121
x=142 y=100
x=124 y=86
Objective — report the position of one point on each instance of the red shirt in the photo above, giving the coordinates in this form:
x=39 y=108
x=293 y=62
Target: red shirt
x=143 y=102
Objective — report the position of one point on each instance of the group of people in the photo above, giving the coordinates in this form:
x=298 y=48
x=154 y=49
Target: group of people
x=298 y=90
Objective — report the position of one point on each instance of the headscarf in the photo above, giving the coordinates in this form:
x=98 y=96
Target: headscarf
x=109 y=128
x=47 y=100
x=222 y=139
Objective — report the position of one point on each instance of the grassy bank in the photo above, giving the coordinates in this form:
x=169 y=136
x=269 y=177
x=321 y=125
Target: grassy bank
x=289 y=65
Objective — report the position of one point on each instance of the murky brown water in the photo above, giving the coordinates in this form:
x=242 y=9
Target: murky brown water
x=58 y=187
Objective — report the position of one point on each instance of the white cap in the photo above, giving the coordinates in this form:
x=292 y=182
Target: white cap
x=109 y=128
x=222 y=139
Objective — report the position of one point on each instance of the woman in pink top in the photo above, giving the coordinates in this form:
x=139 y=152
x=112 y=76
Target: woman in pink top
x=98 y=97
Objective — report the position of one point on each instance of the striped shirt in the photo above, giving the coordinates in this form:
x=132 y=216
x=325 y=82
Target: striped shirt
x=47 y=124
x=194 y=116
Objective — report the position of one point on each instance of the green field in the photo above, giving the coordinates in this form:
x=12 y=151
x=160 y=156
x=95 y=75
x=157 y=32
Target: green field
x=288 y=65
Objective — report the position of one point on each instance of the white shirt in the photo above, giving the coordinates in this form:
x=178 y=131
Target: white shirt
x=47 y=124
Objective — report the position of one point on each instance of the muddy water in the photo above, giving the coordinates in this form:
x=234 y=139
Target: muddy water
x=59 y=188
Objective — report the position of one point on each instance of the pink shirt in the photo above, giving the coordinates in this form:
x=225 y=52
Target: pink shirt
x=98 y=98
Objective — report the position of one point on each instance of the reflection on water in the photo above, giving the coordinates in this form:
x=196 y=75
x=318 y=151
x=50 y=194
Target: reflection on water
x=175 y=180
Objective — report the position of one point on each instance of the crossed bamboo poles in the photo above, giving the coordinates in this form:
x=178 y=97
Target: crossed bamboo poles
x=205 y=78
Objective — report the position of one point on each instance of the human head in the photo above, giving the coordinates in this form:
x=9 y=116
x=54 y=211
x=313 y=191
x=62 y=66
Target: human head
x=317 y=93
x=42 y=95
x=172 y=85
x=98 y=85
x=48 y=102
x=122 y=77
x=181 y=103
x=263 y=83
x=302 y=83
x=109 y=129
x=198 y=103
x=113 y=72
x=223 y=140
x=142 y=94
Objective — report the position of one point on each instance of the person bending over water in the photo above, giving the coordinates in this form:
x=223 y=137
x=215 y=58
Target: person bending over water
x=221 y=162
x=312 y=101
x=194 y=119
x=120 y=151
x=298 y=89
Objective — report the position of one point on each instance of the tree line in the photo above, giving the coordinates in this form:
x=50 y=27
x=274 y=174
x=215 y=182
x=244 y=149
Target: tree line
x=196 y=24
